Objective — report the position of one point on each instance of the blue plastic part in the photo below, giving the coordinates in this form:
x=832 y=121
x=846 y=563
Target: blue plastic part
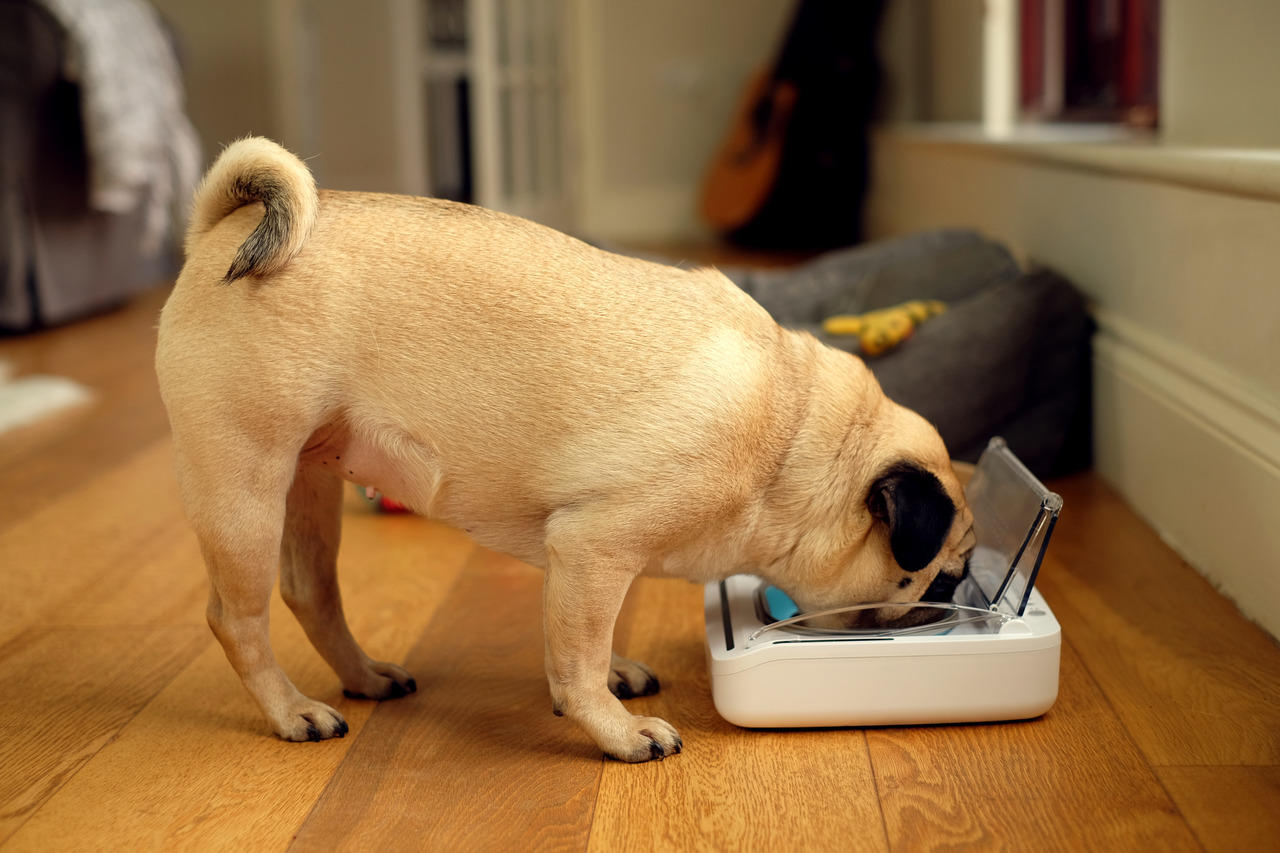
x=780 y=604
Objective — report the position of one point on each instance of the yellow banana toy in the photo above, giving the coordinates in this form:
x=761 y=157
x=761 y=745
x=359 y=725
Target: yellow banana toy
x=882 y=330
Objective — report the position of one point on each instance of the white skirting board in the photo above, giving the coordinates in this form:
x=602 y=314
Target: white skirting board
x=1197 y=454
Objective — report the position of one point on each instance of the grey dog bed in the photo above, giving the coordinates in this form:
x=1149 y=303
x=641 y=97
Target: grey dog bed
x=1010 y=357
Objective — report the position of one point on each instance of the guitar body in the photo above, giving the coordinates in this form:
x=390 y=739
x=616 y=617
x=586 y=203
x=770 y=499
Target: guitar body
x=746 y=167
x=792 y=170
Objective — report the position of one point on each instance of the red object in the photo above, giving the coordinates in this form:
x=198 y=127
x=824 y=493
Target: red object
x=385 y=504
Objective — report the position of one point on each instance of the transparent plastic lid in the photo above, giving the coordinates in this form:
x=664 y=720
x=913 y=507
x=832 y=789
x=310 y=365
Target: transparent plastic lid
x=1013 y=518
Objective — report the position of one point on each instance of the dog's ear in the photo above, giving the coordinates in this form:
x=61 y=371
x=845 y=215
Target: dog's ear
x=912 y=502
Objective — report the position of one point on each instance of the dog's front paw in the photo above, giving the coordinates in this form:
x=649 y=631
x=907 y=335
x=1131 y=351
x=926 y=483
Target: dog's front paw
x=650 y=738
x=381 y=681
x=310 y=721
x=629 y=678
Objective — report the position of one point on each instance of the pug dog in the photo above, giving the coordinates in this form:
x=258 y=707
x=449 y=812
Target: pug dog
x=594 y=415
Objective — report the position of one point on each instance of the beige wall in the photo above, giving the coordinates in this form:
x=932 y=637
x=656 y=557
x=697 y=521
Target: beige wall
x=931 y=53
x=256 y=66
x=223 y=48
x=1182 y=273
x=955 y=59
x=1221 y=76
x=354 y=107
x=656 y=83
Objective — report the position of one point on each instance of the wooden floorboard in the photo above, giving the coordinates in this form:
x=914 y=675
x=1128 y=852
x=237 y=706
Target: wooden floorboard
x=729 y=789
x=1231 y=809
x=1003 y=786
x=112 y=355
x=475 y=759
x=91 y=683
x=1193 y=681
x=123 y=727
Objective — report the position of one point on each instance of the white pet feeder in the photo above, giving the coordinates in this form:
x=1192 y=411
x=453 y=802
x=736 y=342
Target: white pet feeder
x=992 y=654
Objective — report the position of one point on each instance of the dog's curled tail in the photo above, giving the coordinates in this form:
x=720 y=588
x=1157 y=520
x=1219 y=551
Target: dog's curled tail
x=257 y=170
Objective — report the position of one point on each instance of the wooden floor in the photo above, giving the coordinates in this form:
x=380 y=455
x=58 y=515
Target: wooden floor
x=122 y=727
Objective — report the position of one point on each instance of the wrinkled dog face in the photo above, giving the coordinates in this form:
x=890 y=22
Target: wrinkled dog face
x=918 y=550
x=930 y=536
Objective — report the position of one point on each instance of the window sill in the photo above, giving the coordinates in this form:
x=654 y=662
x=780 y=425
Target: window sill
x=1109 y=150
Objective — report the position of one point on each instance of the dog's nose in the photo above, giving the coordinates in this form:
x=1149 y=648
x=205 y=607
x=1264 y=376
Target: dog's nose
x=943 y=588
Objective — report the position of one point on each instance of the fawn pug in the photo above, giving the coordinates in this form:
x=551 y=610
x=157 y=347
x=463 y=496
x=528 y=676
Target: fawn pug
x=597 y=416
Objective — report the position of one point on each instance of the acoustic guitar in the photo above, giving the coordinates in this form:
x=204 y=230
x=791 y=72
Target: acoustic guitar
x=745 y=168
x=792 y=169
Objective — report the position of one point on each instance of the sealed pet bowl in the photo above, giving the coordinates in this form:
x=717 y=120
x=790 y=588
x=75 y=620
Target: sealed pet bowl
x=990 y=654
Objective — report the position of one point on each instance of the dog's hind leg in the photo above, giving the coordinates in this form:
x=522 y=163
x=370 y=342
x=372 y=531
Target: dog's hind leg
x=238 y=515
x=309 y=585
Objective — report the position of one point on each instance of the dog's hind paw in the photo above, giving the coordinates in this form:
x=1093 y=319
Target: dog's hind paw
x=315 y=722
x=629 y=678
x=382 y=681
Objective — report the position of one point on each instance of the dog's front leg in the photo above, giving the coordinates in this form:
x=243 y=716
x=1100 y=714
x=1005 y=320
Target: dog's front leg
x=582 y=595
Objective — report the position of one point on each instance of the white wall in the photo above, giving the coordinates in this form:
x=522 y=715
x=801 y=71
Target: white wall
x=931 y=56
x=656 y=83
x=653 y=83
x=326 y=90
x=354 y=98
x=1221 y=76
x=1182 y=269
x=223 y=48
